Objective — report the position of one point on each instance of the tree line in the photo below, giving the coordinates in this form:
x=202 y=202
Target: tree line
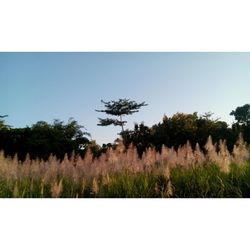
x=177 y=130
x=43 y=139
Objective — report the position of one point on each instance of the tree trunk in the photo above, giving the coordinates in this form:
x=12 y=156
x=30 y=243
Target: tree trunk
x=122 y=124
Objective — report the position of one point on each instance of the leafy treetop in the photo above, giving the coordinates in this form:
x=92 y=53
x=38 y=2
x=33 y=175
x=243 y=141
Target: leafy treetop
x=119 y=108
x=242 y=114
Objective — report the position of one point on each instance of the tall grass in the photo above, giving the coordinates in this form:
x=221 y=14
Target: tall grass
x=121 y=173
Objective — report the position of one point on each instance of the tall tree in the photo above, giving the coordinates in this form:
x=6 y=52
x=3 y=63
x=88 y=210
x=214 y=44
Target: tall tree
x=119 y=108
x=242 y=114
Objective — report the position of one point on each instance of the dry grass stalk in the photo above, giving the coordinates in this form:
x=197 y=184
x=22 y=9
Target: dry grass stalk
x=199 y=157
x=95 y=187
x=106 y=180
x=170 y=191
x=57 y=189
x=16 y=191
x=211 y=155
x=241 y=152
x=224 y=158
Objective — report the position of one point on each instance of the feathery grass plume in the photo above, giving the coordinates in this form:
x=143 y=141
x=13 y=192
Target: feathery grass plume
x=164 y=154
x=241 y=153
x=8 y=167
x=106 y=180
x=95 y=187
x=199 y=157
x=157 y=157
x=149 y=157
x=132 y=159
x=103 y=162
x=83 y=167
x=67 y=168
x=166 y=173
x=170 y=192
x=13 y=168
x=88 y=157
x=172 y=158
x=78 y=176
x=116 y=159
x=180 y=156
x=42 y=168
x=112 y=156
x=52 y=169
x=57 y=189
x=223 y=160
x=27 y=166
x=211 y=155
x=96 y=169
x=35 y=169
x=79 y=163
x=189 y=155
x=120 y=148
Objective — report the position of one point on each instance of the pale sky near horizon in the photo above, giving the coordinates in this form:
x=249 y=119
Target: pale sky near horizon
x=48 y=86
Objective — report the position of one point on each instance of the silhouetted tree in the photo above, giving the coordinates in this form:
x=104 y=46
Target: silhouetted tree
x=176 y=130
x=119 y=108
x=242 y=114
x=43 y=139
x=140 y=137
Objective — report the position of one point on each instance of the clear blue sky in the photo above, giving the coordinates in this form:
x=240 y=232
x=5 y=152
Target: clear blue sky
x=48 y=86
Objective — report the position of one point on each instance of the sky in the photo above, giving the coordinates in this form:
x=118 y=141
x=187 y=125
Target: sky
x=47 y=86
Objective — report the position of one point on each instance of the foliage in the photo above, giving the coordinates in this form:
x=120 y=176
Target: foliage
x=119 y=108
x=43 y=139
x=242 y=114
x=141 y=137
x=3 y=126
x=176 y=130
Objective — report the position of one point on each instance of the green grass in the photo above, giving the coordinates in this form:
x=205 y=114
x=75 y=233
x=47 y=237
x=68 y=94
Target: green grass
x=198 y=182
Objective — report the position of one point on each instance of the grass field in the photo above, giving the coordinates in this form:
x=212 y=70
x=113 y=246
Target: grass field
x=120 y=173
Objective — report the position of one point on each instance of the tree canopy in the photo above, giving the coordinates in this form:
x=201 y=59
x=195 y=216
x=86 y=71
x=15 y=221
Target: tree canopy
x=242 y=114
x=2 y=122
x=118 y=108
x=177 y=130
x=42 y=139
